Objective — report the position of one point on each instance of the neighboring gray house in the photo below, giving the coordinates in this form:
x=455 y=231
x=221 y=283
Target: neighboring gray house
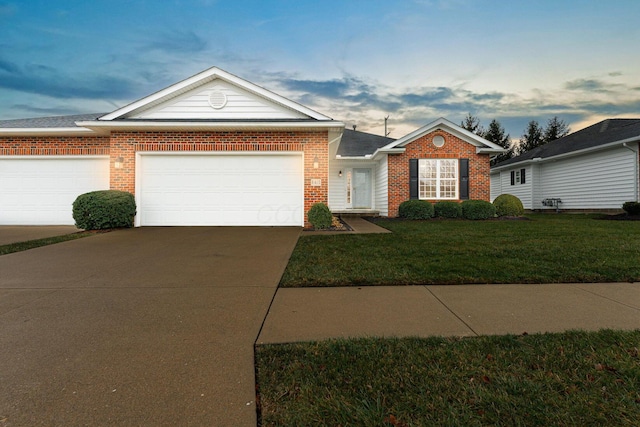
x=595 y=168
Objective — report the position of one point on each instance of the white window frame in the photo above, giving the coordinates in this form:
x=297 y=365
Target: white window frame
x=438 y=179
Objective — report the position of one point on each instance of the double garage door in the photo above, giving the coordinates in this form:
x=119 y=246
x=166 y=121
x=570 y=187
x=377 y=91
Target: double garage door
x=171 y=189
x=263 y=189
x=41 y=190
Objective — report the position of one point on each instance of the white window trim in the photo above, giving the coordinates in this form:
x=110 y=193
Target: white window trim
x=438 y=178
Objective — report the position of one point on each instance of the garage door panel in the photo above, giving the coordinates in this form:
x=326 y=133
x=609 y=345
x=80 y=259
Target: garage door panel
x=214 y=189
x=41 y=190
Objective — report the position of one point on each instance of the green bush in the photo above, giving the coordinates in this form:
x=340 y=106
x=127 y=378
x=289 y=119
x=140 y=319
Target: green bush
x=320 y=216
x=631 y=208
x=478 y=209
x=99 y=210
x=415 y=209
x=508 y=205
x=446 y=209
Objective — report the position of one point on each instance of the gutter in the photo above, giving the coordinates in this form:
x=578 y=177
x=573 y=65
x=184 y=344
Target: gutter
x=47 y=131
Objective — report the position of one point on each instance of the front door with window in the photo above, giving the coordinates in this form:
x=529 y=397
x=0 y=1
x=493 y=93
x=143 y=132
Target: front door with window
x=361 y=189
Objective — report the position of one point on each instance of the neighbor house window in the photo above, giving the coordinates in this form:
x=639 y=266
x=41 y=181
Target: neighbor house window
x=518 y=177
x=438 y=179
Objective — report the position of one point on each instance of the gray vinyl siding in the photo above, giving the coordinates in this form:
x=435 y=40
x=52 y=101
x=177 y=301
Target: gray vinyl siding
x=381 y=181
x=602 y=180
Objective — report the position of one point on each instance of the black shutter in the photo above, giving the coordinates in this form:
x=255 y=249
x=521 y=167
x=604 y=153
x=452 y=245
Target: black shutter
x=522 y=176
x=513 y=177
x=413 y=178
x=464 y=179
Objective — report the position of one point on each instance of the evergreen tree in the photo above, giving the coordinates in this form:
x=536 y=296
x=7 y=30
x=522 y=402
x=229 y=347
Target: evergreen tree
x=496 y=134
x=472 y=124
x=556 y=129
x=533 y=137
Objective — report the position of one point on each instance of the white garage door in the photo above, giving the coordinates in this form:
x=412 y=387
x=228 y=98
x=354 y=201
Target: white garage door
x=40 y=190
x=220 y=189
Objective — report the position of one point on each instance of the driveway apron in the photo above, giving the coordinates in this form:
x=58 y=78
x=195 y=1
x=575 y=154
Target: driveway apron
x=147 y=326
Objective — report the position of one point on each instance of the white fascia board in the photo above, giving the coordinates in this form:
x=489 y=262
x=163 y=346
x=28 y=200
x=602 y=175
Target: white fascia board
x=173 y=126
x=481 y=150
x=385 y=150
x=46 y=131
x=205 y=77
x=569 y=154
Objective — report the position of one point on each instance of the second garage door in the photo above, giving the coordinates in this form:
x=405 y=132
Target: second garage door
x=263 y=189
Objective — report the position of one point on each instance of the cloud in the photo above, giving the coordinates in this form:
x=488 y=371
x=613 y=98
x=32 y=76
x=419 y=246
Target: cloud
x=53 y=110
x=7 y=9
x=44 y=80
x=587 y=85
x=179 y=42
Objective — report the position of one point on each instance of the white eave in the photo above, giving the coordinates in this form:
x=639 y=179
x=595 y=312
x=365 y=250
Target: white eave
x=79 y=131
x=569 y=154
x=200 y=79
x=125 y=125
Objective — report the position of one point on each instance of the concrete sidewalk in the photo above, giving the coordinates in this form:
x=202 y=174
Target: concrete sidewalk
x=306 y=314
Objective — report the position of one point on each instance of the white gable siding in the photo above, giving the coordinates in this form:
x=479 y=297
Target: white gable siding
x=521 y=191
x=602 y=180
x=240 y=104
x=381 y=186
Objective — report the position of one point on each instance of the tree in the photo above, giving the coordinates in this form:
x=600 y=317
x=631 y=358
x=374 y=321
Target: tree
x=533 y=137
x=472 y=124
x=556 y=129
x=496 y=134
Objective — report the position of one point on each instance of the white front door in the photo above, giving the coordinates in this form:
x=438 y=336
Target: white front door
x=361 y=189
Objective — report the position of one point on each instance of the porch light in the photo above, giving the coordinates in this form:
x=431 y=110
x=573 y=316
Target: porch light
x=316 y=162
x=340 y=174
x=118 y=163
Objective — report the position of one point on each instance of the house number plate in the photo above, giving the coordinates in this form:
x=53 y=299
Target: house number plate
x=316 y=182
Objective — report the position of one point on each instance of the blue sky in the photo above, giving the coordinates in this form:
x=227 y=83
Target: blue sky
x=354 y=60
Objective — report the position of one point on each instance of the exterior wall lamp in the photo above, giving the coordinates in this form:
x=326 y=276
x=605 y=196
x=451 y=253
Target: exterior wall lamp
x=340 y=174
x=316 y=162
x=118 y=163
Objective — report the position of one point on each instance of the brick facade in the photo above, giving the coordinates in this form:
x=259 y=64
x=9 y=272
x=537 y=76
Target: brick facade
x=313 y=145
x=423 y=148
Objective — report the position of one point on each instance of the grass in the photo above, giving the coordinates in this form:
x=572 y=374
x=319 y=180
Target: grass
x=568 y=379
x=547 y=248
x=30 y=244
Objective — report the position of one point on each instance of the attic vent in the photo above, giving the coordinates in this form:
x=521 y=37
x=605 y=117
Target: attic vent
x=217 y=99
x=438 y=140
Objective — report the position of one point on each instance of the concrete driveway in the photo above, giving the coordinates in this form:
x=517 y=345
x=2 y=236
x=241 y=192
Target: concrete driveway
x=147 y=326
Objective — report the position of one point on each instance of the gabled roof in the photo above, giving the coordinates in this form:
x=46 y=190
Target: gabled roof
x=359 y=144
x=481 y=144
x=203 y=78
x=599 y=135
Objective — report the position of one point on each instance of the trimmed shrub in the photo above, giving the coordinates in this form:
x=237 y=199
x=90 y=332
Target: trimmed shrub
x=508 y=205
x=478 y=209
x=415 y=209
x=320 y=216
x=631 y=208
x=446 y=209
x=99 y=210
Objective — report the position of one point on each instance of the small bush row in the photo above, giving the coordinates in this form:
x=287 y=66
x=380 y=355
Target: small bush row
x=504 y=205
x=631 y=208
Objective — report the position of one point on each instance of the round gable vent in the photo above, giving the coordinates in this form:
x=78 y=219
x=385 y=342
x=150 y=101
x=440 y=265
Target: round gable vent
x=438 y=140
x=217 y=99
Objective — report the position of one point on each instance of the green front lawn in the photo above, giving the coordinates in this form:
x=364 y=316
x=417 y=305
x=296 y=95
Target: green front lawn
x=31 y=244
x=568 y=379
x=547 y=248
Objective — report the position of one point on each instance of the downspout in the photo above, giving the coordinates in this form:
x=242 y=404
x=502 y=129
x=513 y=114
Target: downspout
x=636 y=165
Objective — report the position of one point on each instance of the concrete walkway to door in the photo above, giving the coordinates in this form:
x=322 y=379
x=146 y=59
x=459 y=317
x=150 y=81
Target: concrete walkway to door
x=147 y=326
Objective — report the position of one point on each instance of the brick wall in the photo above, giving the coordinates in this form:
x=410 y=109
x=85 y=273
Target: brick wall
x=54 y=146
x=423 y=148
x=312 y=144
